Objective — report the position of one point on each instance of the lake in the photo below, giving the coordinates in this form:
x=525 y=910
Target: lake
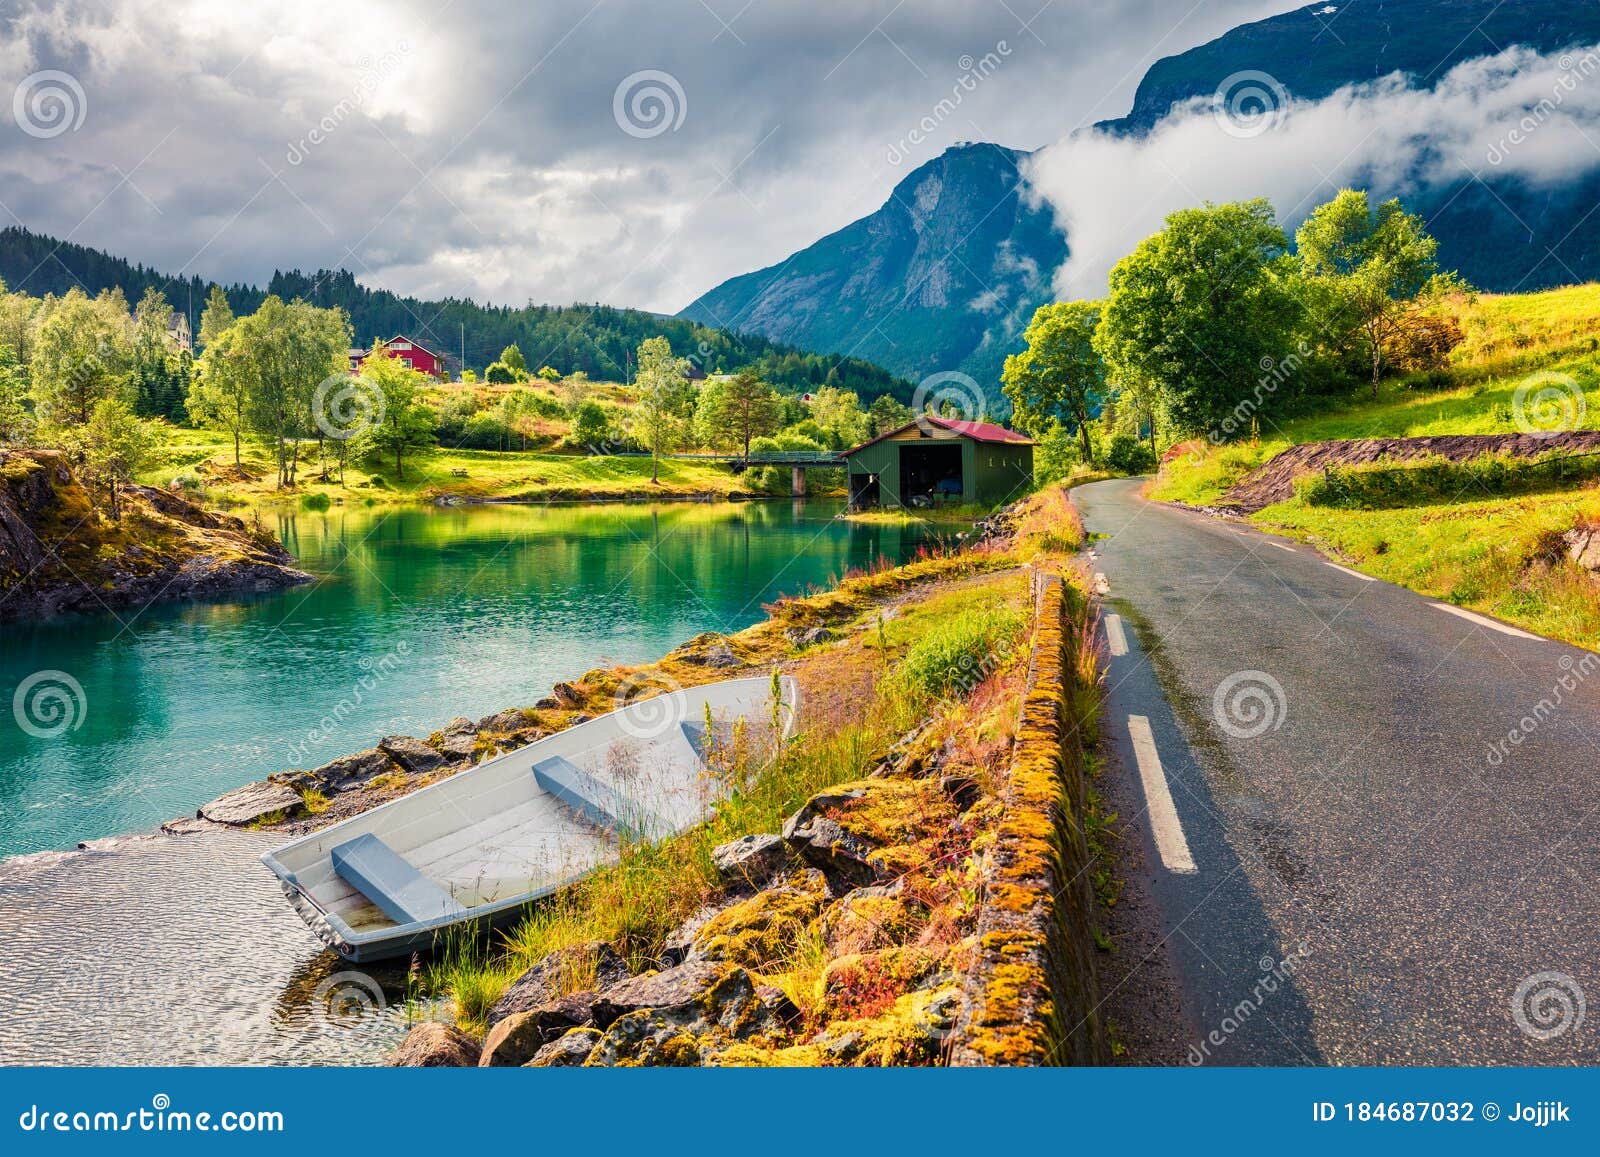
x=418 y=615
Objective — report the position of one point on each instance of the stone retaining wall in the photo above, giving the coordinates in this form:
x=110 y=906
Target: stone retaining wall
x=1031 y=997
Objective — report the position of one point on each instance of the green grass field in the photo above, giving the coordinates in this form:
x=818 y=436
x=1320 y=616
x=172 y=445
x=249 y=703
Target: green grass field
x=208 y=458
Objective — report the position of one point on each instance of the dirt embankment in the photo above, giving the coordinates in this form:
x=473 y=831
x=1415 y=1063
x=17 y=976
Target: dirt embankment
x=59 y=554
x=1274 y=481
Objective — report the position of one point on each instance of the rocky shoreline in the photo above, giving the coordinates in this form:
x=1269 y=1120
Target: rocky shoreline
x=60 y=555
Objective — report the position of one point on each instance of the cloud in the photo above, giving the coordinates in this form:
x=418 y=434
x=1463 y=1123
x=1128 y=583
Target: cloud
x=471 y=149
x=1515 y=114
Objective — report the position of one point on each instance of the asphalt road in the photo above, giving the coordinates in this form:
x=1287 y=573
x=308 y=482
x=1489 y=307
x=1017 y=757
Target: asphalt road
x=1378 y=876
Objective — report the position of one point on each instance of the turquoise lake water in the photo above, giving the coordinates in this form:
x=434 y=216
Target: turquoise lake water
x=418 y=615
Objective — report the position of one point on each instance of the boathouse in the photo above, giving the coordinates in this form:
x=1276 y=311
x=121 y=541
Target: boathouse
x=940 y=460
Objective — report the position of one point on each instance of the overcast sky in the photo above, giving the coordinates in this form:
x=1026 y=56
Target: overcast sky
x=494 y=150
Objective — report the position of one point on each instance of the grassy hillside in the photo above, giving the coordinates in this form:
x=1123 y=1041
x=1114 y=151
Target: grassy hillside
x=1498 y=554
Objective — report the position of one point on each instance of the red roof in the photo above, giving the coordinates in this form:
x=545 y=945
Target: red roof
x=977 y=431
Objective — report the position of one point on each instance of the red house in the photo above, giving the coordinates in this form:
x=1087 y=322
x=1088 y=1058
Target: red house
x=411 y=353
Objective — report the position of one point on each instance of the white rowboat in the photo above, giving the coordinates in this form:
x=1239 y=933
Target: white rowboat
x=478 y=846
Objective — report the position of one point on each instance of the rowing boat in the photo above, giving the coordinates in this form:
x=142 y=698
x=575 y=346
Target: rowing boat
x=475 y=848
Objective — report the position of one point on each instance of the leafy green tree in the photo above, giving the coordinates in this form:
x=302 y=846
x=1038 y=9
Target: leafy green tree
x=735 y=411
x=841 y=417
x=215 y=318
x=116 y=444
x=500 y=374
x=1059 y=376
x=404 y=420
x=19 y=313
x=1197 y=309
x=285 y=353
x=82 y=354
x=219 y=392
x=664 y=399
x=887 y=413
x=161 y=369
x=590 y=426
x=16 y=419
x=511 y=358
x=1378 y=266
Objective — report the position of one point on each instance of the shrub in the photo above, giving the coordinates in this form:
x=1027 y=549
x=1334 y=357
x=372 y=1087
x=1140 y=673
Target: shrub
x=315 y=502
x=1127 y=455
x=500 y=374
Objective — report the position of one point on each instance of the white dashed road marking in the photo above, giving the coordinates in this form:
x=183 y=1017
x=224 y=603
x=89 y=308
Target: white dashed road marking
x=1352 y=573
x=1115 y=635
x=1483 y=621
x=1165 y=826
x=1280 y=546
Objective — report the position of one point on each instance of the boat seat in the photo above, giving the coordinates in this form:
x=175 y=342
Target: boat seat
x=599 y=803
x=380 y=874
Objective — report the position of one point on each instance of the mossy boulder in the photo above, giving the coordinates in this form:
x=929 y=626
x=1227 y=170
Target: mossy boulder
x=760 y=931
x=573 y=1048
x=872 y=918
x=592 y=966
x=914 y=1030
x=751 y=862
x=517 y=1039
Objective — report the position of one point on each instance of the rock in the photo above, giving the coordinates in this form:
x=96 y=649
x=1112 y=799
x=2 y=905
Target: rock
x=1583 y=546
x=459 y=738
x=580 y=717
x=593 y=966
x=680 y=941
x=816 y=635
x=504 y=722
x=434 y=1045
x=250 y=803
x=871 y=918
x=548 y=703
x=353 y=771
x=752 y=861
x=412 y=754
x=963 y=790
x=517 y=1039
x=707 y=650
x=572 y=1049
x=648 y=1038
x=186 y=826
x=695 y=996
x=760 y=931
x=567 y=695
x=842 y=855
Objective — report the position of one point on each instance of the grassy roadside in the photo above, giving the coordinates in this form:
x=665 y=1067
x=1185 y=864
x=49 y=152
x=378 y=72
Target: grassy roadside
x=940 y=645
x=1452 y=533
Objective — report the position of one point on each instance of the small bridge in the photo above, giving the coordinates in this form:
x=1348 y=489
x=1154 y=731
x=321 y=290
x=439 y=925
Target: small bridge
x=797 y=461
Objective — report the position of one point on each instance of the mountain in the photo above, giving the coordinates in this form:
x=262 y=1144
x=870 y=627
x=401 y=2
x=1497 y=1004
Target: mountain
x=597 y=339
x=944 y=277
x=946 y=274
